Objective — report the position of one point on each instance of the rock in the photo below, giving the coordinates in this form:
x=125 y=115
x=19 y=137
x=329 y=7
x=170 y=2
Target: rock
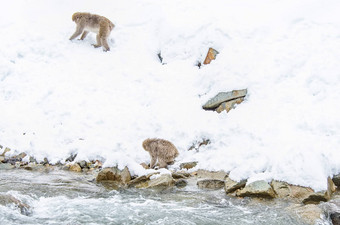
x=181 y=183
x=163 y=181
x=210 y=184
x=231 y=186
x=45 y=162
x=19 y=157
x=6 y=199
x=227 y=106
x=71 y=157
x=298 y=192
x=141 y=179
x=315 y=198
x=221 y=97
x=211 y=55
x=2 y=158
x=6 y=166
x=187 y=165
x=218 y=175
x=197 y=144
x=257 y=189
x=335 y=218
x=32 y=160
x=83 y=164
x=309 y=214
x=5 y=151
x=180 y=175
x=75 y=167
x=281 y=189
x=331 y=188
x=336 y=180
x=34 y=167
x=114 y=174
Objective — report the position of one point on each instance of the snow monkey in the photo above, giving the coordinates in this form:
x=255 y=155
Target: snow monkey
x=162 y=150
x=100 y=25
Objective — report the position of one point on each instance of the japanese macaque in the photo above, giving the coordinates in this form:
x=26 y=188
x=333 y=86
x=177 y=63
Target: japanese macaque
x=100 y=25
x=160 y=150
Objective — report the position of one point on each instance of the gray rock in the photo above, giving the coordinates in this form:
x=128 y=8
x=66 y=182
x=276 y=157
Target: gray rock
x=281 y=188
x=336 y=180
x=210 y=184
x=181 y=183
x=6 y=199
x=187 y=165
x=205 y=174
x=335 y=217
x=315 y=198
x=180 y=175
x=309 y=214
x=231 y=185
x=224 y=97
x=163 y=181
x=259 y=189
x=6 y=166
x=83 y=164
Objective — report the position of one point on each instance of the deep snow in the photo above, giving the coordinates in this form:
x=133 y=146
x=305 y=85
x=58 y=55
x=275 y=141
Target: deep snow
x=59 y=96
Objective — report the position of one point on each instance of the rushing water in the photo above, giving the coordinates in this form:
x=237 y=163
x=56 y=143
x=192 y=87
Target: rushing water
x=60 y=197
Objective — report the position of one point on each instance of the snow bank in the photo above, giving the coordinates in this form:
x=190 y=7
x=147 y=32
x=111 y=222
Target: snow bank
x=60 y=97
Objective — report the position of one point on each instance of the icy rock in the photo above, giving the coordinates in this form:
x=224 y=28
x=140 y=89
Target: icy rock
x=210 y=184
x=257 y=189
x=83 y=164
x=187 y=165
x=114 y=174
x=211 y=55
x=221 y=97
x=197 y=144
x=231 y=185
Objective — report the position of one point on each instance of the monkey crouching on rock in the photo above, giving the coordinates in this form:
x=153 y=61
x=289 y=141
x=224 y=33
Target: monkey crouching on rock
x=87 y=22
x=160 y=150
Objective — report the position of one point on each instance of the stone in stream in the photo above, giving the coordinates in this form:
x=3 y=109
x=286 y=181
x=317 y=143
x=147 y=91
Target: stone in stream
x=259 y=189
x=232 y=186
x=114 y=174
x=335 y=217
x=210 y=184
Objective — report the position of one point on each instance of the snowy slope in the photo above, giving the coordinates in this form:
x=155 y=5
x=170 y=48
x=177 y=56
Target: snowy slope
x=59 y=97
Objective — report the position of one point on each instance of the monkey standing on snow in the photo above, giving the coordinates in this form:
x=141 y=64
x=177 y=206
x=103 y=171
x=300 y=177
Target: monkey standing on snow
x=162 y=150
x=100 y=25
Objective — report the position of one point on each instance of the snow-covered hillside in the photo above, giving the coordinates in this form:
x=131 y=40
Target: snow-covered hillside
x=59 y=97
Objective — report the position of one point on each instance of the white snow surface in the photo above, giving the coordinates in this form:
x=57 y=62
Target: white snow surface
x=60 y=97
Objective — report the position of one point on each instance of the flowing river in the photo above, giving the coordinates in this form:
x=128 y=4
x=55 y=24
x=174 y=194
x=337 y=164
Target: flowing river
x=61 y=197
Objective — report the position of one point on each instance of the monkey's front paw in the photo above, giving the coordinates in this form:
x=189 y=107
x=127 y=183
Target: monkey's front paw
x=96 y=46
x=106 y=50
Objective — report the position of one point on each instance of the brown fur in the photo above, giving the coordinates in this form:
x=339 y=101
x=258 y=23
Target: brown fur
x=162 y=150
x=100 y=25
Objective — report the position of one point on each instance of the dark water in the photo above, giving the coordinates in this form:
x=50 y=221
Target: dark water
x=61 y=197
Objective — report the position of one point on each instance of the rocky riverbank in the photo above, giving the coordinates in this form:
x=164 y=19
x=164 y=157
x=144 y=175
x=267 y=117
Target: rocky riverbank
x=304 y=202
